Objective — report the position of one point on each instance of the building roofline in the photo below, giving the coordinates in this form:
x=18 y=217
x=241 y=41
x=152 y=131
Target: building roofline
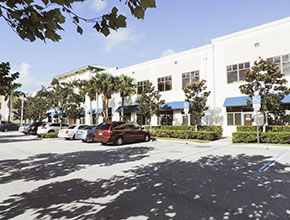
x=251 y=30
x=80 y=70
x=175 y=55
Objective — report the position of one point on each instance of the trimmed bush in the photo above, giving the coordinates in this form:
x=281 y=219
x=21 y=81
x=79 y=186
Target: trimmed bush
x=275 y=137
x=266 y=137
x=47 y=135
x=244 y=137
x=182 y=134
x=278 y=128
x=248 y=128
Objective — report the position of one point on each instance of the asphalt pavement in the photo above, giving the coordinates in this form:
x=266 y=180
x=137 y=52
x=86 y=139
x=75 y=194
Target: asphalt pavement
x=58 y=179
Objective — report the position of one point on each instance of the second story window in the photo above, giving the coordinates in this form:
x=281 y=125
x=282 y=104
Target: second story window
x=189 y=78
x=164 y=83
x=236 y=72
x=283 y=62
x=141 y=86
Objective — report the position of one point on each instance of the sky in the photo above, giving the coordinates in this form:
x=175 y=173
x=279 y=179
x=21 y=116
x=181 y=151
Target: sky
x=174 y=26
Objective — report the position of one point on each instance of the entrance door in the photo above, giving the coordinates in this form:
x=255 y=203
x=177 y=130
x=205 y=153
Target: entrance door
x=247 y=119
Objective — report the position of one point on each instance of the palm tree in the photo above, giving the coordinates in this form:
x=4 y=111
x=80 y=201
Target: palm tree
x=107 y=85
x=90 y=88
x=126 y=87
x=12 y=94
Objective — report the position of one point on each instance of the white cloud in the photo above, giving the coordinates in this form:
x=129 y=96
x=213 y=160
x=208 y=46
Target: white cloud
x=121 y=38
x=167 y=53
x=99 y=5
x=29 y=83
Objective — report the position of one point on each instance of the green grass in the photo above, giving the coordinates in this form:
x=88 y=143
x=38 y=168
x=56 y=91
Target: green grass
x=265 y=144
x=187 y=140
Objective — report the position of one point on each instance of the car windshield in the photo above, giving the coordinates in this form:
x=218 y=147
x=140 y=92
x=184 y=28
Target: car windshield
x=71 y=127
x=104 y=127
x=88 y=127
x=82 y=126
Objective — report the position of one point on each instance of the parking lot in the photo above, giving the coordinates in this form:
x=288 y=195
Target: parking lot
x=57 y=179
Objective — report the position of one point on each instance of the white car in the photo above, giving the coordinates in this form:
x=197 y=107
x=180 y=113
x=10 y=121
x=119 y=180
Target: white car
x=23 y=128
x=70 y=132
x=50 y=128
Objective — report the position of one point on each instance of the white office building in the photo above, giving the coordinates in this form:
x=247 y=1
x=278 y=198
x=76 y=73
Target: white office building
x=222 y=64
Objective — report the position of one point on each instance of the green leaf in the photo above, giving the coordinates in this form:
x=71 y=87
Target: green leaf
x=138 y=12
x=148 y=4
x=97 y=26
x=105 y=31
x=79 y=30
x=121 y=21
x=114 y=11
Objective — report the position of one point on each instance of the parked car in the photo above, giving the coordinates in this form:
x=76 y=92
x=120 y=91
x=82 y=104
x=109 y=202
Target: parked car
x=70 y=132
x=22 y=128
x=120 y=132
x=86 y=134
x=8 y=126
x=50 y=128
x=32 y=128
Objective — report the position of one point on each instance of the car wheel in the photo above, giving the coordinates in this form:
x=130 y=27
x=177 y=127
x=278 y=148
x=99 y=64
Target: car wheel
x=146 y=138
x=84 y=140
x=66 y=138
x=74 y=137
x=5 y=130
x=51 y=131
x=104 y=143
x=119 y=141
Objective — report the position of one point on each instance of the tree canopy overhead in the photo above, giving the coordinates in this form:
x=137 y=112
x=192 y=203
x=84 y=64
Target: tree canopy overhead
x=32 y=19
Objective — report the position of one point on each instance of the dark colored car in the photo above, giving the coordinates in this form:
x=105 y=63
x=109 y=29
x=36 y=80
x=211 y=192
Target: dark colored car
x=8 y=126
x=32 y=128
x=120 y=132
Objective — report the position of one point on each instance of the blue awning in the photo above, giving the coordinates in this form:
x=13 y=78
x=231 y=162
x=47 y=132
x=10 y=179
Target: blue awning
x=0 y=115
x=55 y=113
x=175 y=105
x=242 y=101
x=128 y=108
x=236 y=101
x=99 y=112
x=286 y=99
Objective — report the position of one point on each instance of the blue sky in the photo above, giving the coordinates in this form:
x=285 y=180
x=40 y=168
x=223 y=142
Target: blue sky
x=174 y=26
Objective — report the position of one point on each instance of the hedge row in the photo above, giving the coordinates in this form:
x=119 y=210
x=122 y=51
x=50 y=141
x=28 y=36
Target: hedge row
x=265 y=137
x=183 y=134
x=214 y=128
x=47 y=135
x=271 y=128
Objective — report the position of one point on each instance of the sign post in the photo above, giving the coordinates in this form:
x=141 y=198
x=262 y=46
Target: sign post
x=257 y=106
x=186 y=111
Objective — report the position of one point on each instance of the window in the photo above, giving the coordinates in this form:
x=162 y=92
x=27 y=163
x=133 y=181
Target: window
x=189 y=78
x=166 y=117
x=283 y=62
x=236 y=72
x=141 y=86
x=234 y=118
x=141 y=119
x=164 y=83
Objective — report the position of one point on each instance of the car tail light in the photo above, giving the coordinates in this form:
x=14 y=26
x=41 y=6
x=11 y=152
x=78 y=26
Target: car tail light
x=43 y=127
x=33 y=127
x=66 y=132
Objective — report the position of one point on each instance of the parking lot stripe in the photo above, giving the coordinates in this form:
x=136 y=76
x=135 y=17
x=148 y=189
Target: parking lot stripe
x=267 y=165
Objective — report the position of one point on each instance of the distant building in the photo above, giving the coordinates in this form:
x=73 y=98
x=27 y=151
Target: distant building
x=222 y=64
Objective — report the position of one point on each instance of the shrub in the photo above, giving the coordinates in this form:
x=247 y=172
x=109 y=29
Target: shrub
x=244 y=137
x=47 y=135
x=249 y=128
x=276 y=137
x=266 y=137
x=182 y=134
x=278 y=128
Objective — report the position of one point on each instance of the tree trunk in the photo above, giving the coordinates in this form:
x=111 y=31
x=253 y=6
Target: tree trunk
x=10 y=108
x=91 y=112
x=97 y=119
x=104 y=108
x=122 y=110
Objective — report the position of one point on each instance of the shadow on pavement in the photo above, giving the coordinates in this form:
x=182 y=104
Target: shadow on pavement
x=212 y=188
x=46 y=166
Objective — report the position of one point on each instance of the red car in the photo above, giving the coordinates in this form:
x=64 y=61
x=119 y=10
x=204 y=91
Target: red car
x=120 y=132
